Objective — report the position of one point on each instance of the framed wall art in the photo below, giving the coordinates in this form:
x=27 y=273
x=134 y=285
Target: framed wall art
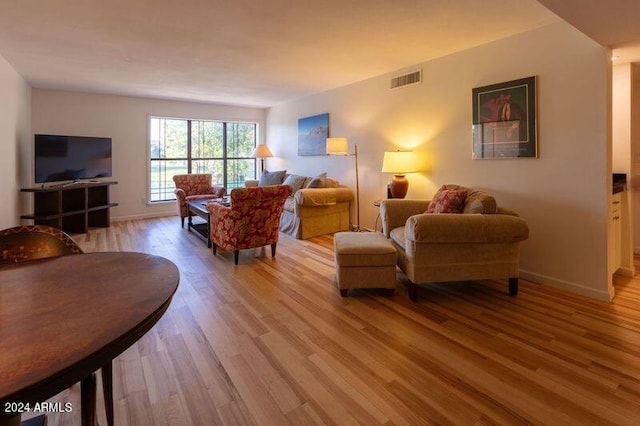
x=312 y=135
x=504 y=120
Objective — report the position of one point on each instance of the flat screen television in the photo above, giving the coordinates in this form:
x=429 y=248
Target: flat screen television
x=62 y=158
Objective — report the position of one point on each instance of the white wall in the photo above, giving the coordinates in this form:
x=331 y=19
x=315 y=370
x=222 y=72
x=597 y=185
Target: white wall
x=633 y=179
x=15 y=129
x=621 y=118
x=563 y=195
x=623 y=154
x=125 y=120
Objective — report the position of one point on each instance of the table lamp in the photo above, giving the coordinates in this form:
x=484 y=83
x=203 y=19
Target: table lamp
x=340 y=146
x=399 y=163
x=261 y=152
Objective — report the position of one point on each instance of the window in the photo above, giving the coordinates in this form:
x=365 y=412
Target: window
x=179 y=146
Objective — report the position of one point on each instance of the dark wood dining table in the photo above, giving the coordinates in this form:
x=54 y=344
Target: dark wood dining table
x=63 y=318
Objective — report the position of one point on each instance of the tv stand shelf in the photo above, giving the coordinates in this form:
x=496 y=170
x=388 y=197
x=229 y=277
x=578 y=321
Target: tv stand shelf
x=71 y=207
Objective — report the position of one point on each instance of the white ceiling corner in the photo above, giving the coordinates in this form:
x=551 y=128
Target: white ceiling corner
x=254 y=53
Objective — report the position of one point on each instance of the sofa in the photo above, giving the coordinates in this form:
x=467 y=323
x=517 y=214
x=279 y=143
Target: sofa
x=318 y=205
x=471 y=238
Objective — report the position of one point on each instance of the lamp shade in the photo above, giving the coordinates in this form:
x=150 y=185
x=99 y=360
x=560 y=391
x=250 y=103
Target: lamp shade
x=337 y=146
x=261 y=151
x=401 y=162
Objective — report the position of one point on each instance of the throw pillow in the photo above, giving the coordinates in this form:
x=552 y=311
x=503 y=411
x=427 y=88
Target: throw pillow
x=295 y=182
x=447 y=201
x=331 y=183
x=271 y=178
x=319 y=181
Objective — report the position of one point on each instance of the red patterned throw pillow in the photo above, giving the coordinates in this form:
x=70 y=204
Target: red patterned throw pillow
x=447 y=201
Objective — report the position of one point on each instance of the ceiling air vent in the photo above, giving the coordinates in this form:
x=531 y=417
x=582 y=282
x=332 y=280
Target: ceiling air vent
x=414 y=77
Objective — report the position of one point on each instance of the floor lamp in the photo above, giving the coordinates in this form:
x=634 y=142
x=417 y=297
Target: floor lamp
x=340 y=146
x=261 y=152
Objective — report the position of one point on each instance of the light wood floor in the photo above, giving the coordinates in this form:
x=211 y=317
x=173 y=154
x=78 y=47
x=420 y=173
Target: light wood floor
x=271 y=342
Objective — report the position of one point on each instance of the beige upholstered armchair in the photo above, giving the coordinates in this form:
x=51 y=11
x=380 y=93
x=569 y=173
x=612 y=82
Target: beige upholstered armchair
x=481 y=242
x=194 y=187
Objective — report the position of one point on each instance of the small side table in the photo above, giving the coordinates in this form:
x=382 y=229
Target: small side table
x=377 y=203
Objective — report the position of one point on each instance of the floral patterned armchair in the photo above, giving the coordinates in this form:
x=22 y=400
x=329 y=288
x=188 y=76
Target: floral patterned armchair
x=252 y=219
x=193 y=187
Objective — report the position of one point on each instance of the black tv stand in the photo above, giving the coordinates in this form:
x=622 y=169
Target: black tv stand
x=72 y=207
x=64 y=184
x=75 y=182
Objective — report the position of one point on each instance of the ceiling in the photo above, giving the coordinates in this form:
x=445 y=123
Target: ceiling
x=612 y=23
x=244 y=52
x=262 y=53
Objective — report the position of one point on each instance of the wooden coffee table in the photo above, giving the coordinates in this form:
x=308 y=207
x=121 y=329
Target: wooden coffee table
x=64 y=318
x=199 y=208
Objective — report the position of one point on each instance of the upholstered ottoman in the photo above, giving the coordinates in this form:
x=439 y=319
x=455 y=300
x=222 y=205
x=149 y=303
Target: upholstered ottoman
x=364 y=260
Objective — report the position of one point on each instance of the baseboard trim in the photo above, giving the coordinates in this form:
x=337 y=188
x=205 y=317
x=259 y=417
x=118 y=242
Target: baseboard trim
x=626 y=272
x=142 y=216
x=604 y=295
